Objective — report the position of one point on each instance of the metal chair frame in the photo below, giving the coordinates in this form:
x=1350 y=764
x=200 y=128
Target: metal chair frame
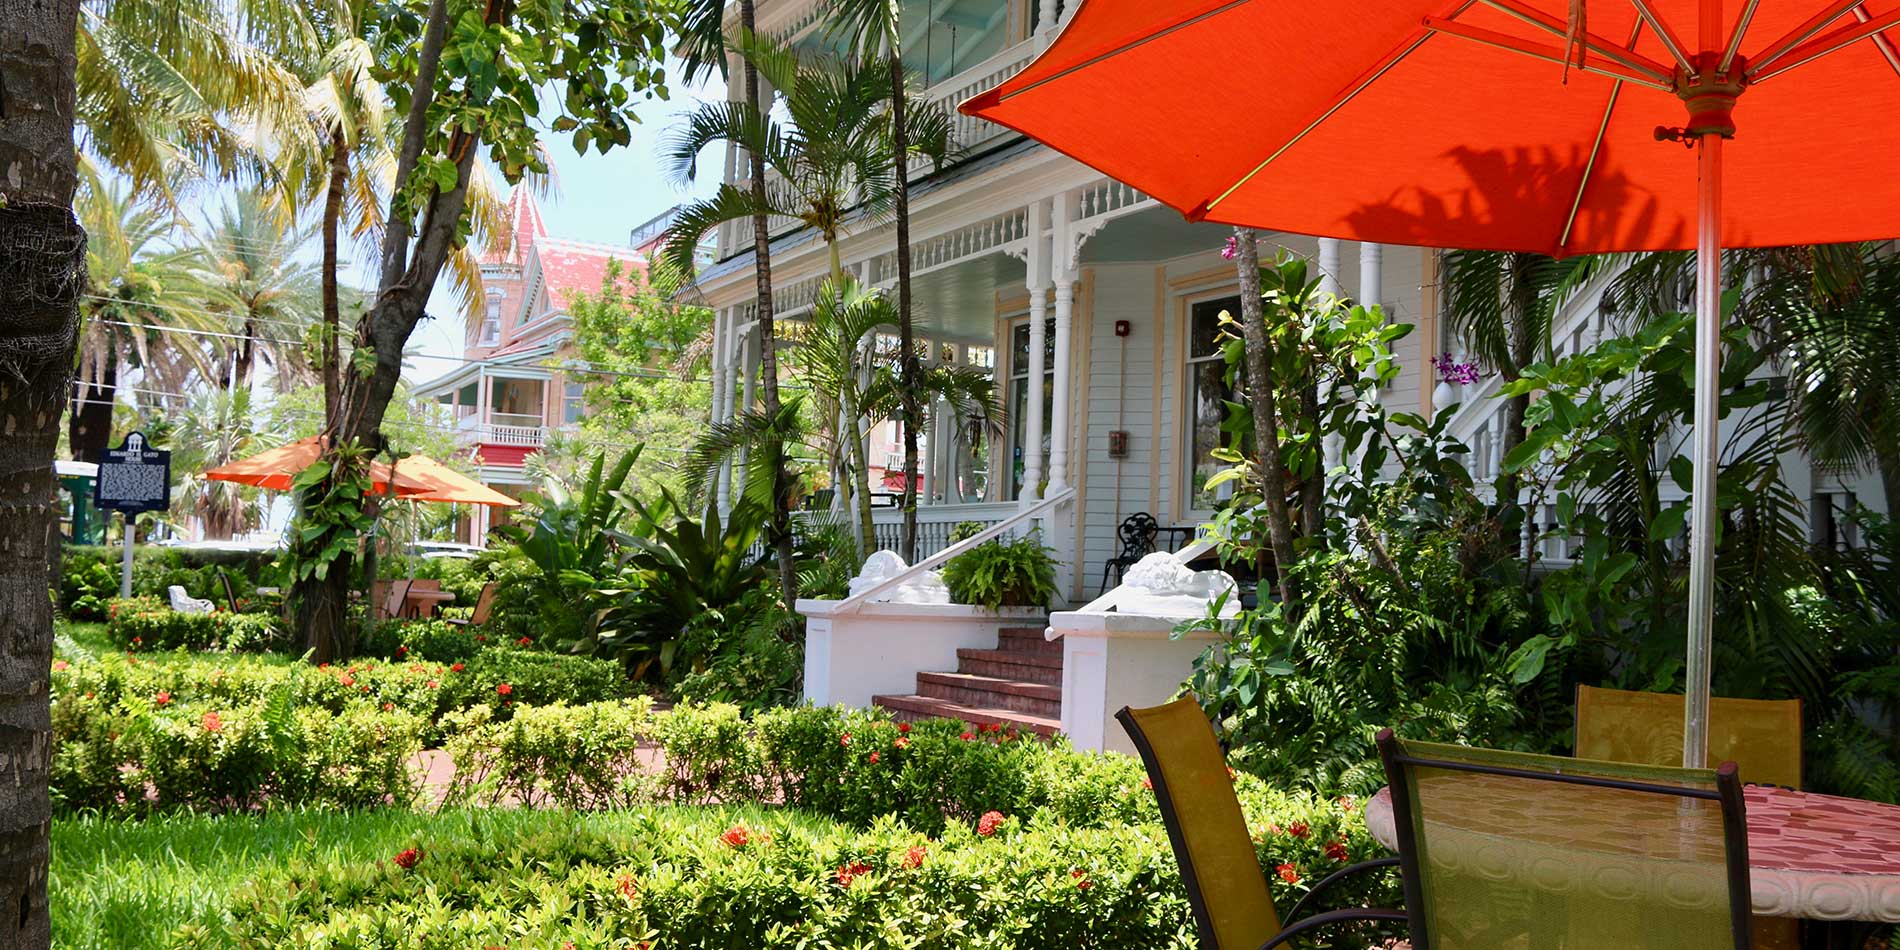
x=1294 y=925
x=1138 y=533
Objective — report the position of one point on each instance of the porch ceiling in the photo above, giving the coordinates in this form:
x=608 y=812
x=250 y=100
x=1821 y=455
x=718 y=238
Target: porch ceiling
x=959 y=302
x=1152 y=234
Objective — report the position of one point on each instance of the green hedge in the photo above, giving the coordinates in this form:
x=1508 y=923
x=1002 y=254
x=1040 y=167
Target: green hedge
x=89 y=575
x=148 y=623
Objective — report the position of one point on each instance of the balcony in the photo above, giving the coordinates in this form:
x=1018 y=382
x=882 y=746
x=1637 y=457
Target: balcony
x=968 y=133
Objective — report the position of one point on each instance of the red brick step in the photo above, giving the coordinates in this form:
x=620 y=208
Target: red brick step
x=911 y=708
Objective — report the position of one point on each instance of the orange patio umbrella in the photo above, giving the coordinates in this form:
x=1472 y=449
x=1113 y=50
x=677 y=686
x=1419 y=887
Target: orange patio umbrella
x=418 y=478
x=1556 y=126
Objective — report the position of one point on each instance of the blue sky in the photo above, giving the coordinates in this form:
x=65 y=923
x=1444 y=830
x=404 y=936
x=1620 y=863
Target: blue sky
x=601 y=199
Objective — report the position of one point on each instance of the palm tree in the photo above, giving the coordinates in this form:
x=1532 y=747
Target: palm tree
x=213 y=428
x=876 y=33
x=175 y=90
x=248 y=268
x=1503 y=304
x=42 y=254
x=142 y=312
x=703 y=43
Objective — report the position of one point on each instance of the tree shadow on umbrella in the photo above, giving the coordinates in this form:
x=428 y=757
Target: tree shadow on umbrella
x=1511 y=181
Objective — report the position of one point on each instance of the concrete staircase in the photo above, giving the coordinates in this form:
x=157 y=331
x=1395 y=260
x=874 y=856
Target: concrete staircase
x=1017 y=685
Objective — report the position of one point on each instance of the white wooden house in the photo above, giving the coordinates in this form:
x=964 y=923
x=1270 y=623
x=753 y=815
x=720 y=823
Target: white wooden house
x=1042 y=268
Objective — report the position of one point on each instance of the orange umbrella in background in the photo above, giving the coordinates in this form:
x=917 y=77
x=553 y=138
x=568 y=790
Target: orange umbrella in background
x=1554 y=126
x=417 y=478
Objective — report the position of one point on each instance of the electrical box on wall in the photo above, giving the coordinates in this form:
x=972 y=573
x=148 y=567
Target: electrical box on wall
x=1118 y=444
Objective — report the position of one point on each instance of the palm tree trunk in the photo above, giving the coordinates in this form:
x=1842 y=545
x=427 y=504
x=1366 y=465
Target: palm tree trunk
x=246 y=356
x=43 y=254
x=1887 y=458
x=89 y=424
x=908 y=368
x=861 y=479
x=332 y=311
x=768 y=354
x=1266 y=418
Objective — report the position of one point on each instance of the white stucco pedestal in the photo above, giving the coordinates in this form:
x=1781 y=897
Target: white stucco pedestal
x=1111 y=660
x=879 y=648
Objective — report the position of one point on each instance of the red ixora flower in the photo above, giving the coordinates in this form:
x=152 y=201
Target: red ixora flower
x=432 y=684
x=914 y=858
x=987 y=825
x=1147 y=783
x=407 y=858
x=60 y=665
x=524 y=641
x=1297 y=829
x=903 y=727
x=401 y=652
x=967 y=735
x=348 y=680
x=389 y=707
x=844 y=739
x=873 y=758
x=503 y=689
x=626 y=885
x=737 y=836
x=1288 y=873
x=902 y=742
x=1337 y=851
x=162 y=698
x=212 y=722
x=456 y=668
x=851 y=872
x=1081 y=881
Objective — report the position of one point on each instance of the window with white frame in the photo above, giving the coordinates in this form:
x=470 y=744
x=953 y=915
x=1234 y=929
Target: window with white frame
x=1208 y=393
x=1019 y=398
x=573 y=402
x=491 y=320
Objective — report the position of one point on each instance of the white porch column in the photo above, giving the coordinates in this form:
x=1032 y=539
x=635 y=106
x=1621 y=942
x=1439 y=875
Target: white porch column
x=1059 y=404
x=1046 y=19
x=1329 y=265
x=1031 y=447
x=1371 y=267
x=722 y=400
x=933 y=416
x=482 y=400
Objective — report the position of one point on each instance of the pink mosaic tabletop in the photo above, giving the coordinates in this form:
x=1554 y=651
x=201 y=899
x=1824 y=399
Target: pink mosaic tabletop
x=1810 y=855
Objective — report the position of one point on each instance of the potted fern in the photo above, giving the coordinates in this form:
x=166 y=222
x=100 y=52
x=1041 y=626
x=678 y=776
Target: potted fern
x=1018 y=573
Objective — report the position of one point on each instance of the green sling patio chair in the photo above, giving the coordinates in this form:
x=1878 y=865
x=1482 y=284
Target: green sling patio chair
x=1225 y=885
x=1761 y=736
x=1513 y=850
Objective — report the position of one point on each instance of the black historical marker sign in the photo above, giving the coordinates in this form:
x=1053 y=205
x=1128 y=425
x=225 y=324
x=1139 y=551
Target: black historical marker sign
x=133 y=477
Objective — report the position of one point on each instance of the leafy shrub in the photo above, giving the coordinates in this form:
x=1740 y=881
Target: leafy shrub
x=153 y=752
x=998 y=573
x=530 y=678
x=749 y=654
x=572 y=757
x=147 y=623
x=727 y=878
x=428 y=639
x=86 y=586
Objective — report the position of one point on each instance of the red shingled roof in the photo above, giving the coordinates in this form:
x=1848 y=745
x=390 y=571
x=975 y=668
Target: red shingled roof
x=570 y=267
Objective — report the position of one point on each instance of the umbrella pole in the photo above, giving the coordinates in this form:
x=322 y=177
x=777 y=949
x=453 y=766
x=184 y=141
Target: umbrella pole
x=1708 y=391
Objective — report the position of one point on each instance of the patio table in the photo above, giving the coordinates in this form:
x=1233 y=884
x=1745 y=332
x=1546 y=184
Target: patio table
x=1817 y=857
x=422 y=603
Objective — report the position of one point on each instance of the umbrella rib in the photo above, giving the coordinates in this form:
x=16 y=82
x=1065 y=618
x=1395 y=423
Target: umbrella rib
x=1881 y=42
x=1117 y=51
x=1664 y=33
x=1799 y=35
x=1735 y=41
x=1338 y=104
x=1596 y=148
x=1839 y=39
x=1515 y=44
x=1592 y=42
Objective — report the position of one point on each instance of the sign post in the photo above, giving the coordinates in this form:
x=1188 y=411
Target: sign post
x=132 y=478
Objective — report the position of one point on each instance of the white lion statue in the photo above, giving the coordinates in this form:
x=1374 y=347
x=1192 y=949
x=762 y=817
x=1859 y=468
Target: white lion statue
x=1160 y=586
x=926 y=588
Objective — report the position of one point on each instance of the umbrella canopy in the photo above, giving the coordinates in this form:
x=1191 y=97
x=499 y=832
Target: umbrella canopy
x=1554 y=126
x=1438 y=123
x=444 y=485
x=418 y=478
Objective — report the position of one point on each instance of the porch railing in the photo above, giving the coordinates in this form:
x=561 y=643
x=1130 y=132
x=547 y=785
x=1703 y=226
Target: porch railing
x=935 y=524
x=529 y=436
x=1038 y=512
